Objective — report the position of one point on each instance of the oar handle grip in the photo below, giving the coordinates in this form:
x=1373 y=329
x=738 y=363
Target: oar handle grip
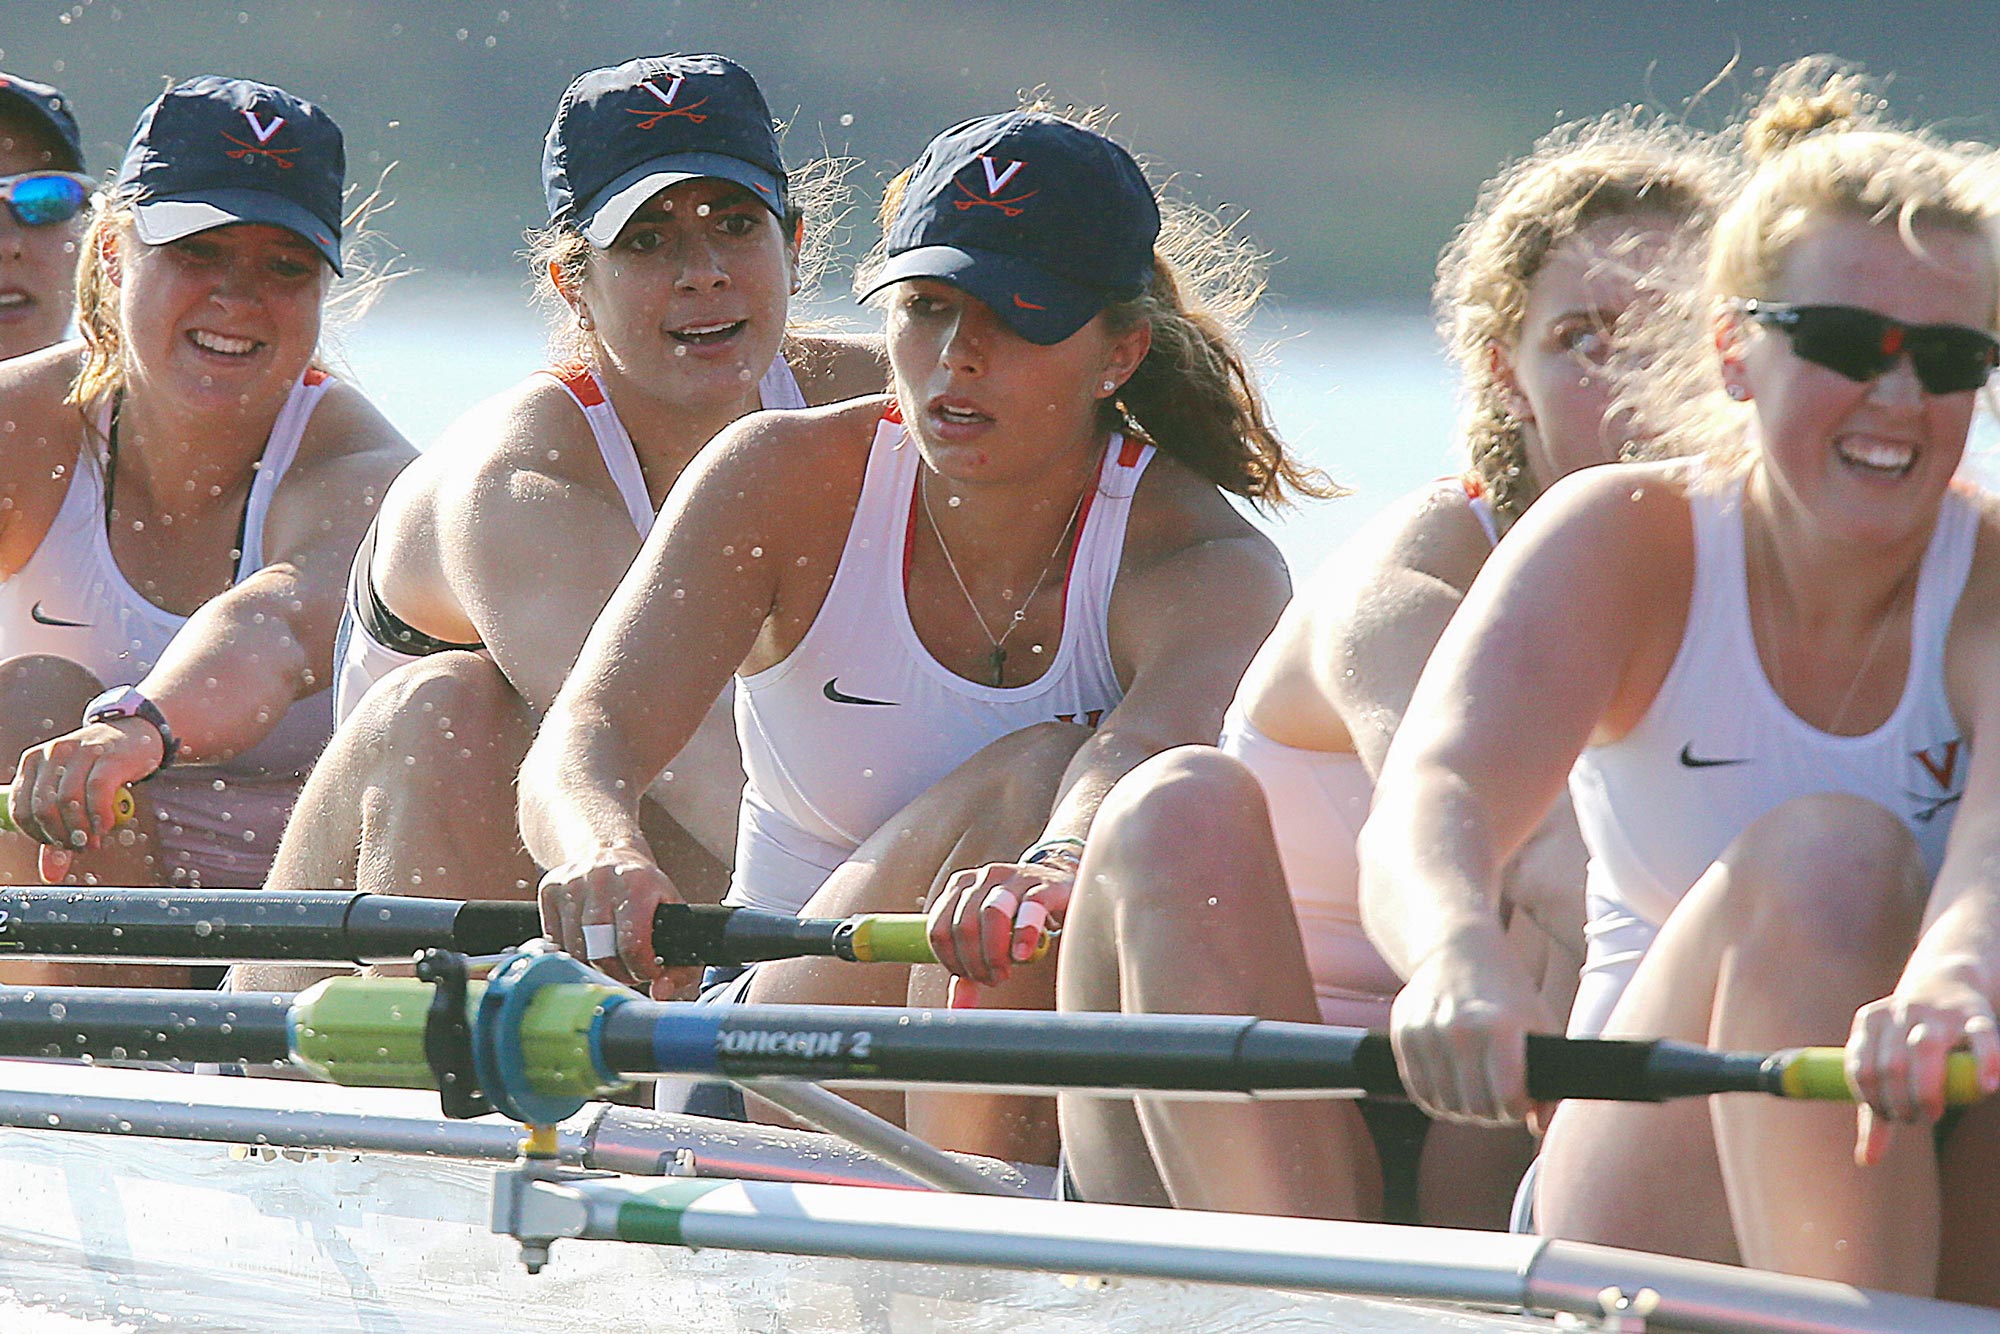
x=687 y=934
x=1821 y=1073
x=122 y=802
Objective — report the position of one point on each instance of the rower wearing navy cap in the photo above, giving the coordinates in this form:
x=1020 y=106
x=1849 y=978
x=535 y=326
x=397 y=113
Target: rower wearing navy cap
x=44 y=190
x=187 y=487
x=675 y=241
x=956 y=614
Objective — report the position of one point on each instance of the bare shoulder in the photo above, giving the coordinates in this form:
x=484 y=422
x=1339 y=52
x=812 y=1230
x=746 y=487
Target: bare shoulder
x=34 y=406
x=1430 y=532
x=40 y=436
x=346 y=425
x=1978 y=610
x=1180 y=521
x=795 y=443
x=830 y=368
x=1637 y=512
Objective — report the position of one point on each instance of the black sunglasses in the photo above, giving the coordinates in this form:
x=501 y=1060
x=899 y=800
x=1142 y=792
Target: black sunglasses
x=1860 y=344
x=44 y=198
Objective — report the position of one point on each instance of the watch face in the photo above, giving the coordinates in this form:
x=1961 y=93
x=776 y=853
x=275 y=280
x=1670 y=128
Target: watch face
x=117 y=702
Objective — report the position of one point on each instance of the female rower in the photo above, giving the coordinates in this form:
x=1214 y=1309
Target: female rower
x=184 y=493
x=673 y=247
x=42 y=182
x=1777 y=667
x=957 y=614
x=1244 y=856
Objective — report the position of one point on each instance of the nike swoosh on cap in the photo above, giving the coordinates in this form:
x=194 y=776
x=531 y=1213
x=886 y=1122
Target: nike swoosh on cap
x=1693 y=761
x=1026 y=305
x=41 y=617
x=834 y=693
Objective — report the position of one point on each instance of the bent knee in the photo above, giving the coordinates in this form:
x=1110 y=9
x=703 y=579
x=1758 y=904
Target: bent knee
x=446 y=702
x=1180 y=790
x=1839 y=869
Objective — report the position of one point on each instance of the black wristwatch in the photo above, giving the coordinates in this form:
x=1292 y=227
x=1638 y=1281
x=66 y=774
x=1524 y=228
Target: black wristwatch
x=127 y=702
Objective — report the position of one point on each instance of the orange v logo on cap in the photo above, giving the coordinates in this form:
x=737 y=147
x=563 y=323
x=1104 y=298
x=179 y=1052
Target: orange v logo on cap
x=996 y=181
x=648 y=119
x=245 y=149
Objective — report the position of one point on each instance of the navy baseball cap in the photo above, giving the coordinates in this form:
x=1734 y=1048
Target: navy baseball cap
x=49 y=109
x=623 y=134
x=214 y=151
x=1045 y=221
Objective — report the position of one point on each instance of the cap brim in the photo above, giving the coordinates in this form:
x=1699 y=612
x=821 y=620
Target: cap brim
x=1034 y=303
x=171 y=217
x=606 y=214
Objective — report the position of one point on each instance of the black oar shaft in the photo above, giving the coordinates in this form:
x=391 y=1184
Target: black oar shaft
x=1199 y=1053
x=314 y=925
x=113 y=925
x=119 y=1024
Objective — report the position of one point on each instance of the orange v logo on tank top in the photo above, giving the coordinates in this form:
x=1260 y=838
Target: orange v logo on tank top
x=648 y=119
x=1941 y=763
x=997 y=177
x=1944 y=767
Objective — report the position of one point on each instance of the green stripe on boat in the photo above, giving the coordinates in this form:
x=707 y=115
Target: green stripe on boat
x=654 y=1214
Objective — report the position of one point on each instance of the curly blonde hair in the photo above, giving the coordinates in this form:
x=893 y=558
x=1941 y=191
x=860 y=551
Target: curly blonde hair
x=1623 y=165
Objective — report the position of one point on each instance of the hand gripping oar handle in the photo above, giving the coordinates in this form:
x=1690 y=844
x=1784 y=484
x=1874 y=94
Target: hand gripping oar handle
x=138 y=925
x=122 y=803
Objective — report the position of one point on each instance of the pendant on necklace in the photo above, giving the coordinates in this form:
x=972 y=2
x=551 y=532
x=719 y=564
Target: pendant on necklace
x=998 y=661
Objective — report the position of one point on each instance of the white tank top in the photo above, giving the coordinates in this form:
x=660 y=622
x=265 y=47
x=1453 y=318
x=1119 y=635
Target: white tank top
x=860 y=719
x=777 y=390
x=372 y=642
x=72 y=601
x=1719 y=748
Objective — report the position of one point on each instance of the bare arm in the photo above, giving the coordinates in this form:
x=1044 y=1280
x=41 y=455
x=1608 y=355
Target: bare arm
x=1378 y=620
x=685 y=615
x=1555 y=644
x=1182 y=632
x=496 y=531
x=246 y=655
x=250 y=652
x=1950 y=987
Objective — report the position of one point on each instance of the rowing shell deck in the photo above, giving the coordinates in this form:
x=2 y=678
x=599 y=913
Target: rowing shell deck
x=124 y=1230
x=128 y=1232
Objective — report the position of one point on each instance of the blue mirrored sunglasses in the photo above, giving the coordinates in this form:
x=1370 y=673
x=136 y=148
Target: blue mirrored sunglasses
x=44 y=198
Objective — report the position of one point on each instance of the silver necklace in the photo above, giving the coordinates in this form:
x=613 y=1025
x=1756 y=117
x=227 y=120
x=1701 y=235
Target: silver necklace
x=1867 y=659
x=997 y=659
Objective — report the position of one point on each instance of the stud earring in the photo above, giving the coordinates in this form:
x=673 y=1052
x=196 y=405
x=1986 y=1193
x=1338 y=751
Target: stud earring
x=1110 y=386
x=584 y=322
x=1738 y=392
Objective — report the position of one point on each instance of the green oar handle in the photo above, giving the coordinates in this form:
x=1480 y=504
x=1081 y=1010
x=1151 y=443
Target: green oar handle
x=122 y=803
x=1821 y=1072
x=691 y=934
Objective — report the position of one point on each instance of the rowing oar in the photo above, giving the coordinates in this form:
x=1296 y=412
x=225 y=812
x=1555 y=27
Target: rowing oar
x=122 y=803
x=108 y=925
x=543 y=1040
